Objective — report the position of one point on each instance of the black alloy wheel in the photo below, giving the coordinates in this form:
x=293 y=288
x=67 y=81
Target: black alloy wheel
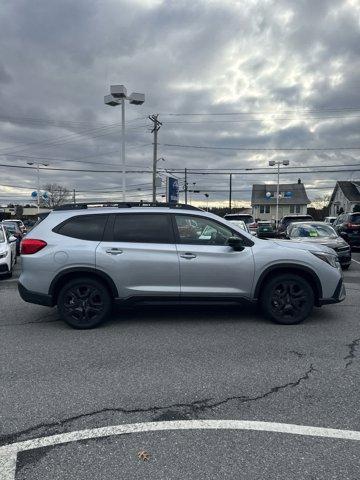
x=287 y=299
x=84 y=303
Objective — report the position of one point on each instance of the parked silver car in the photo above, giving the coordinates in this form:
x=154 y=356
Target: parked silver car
x=83 y=259
x=321 y=233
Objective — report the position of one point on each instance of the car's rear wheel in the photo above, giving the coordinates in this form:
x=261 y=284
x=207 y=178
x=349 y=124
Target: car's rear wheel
x=345 y=267
x=84 y=303
x=287 y=299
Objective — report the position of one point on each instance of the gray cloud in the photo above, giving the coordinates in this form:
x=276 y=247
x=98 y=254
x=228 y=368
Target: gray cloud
x=59 y=58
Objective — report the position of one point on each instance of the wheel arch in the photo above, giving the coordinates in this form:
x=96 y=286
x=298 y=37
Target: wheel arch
x=72 y=273
x=301 y=270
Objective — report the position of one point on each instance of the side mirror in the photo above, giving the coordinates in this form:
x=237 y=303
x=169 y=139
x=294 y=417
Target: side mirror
x=236 y=243
x=12 y=239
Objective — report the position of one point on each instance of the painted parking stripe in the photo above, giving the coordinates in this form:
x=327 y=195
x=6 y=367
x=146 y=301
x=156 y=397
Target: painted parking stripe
x=8 y=453
x=356 y=261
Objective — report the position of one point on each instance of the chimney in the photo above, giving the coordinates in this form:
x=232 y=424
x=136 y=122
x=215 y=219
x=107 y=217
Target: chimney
x=299 y=181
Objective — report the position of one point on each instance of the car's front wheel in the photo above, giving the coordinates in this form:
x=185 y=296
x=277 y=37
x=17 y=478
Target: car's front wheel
x=84 y=303
x=287 y=299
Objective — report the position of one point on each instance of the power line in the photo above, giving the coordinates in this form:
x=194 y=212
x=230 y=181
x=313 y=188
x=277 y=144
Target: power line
x=62 y=140
x=265 y=112
x=259 y=149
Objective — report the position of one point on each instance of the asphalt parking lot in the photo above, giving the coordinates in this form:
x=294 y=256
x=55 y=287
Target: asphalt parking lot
x=191 y=366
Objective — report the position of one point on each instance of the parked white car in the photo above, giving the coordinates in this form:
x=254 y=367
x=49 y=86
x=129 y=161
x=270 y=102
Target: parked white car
x=7 y=253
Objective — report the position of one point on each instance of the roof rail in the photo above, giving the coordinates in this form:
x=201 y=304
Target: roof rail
x=84 y=206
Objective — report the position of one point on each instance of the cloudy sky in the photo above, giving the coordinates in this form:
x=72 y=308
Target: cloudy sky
x=238 y=75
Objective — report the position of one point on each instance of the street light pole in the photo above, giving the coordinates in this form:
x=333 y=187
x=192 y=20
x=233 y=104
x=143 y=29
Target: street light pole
x=123 y=149
x=118 y=95
x=277 y=193
x=38 y=181
x=272 y=163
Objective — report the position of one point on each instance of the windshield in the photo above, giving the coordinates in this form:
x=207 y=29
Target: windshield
x=309 y=230
x=239 y=223
x=2 y=236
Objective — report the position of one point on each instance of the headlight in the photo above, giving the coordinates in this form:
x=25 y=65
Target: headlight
x=3 y=254
x=328 y=258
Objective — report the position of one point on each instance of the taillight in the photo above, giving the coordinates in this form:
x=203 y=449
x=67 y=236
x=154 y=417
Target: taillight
x=31 y=245
x=353 y=225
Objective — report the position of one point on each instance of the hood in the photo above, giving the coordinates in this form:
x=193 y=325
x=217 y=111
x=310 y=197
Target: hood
x=309 y=246
x=327 y=241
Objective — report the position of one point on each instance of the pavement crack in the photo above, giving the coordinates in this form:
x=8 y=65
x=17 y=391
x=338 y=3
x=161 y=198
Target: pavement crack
x=167 y=412
x=352 y=352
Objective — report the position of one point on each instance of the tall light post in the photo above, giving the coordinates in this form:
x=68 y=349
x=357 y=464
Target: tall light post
x=118 y=95
x=272 y=163
x=38 y=180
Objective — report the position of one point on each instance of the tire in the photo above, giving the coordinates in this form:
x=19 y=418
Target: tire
x=84 y=303
x=287 y=299
x=345 y=267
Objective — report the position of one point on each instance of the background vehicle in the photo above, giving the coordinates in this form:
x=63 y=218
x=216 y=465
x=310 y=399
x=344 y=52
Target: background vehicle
x=245 y=217
x=265 y=229
x=320 y=232
x=287 y=219
x=241 y=224
x=19 y=223
x=92 y=257
x=347 y=226
x=15 y=231
x=7 y=253
x=330 y=220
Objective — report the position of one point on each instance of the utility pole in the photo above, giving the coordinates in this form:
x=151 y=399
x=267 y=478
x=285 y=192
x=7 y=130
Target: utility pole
x=186 y=186
x=230 y=192
x=156 y=128
x=74 y=196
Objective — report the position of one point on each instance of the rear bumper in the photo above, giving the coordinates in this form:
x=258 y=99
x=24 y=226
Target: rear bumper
x=35 y=297
x=338 y=296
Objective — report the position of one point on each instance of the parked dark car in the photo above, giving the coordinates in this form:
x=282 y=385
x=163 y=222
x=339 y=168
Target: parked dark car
x=265 y=230
x=287 y=219
x=321 y=233
x=347 y=225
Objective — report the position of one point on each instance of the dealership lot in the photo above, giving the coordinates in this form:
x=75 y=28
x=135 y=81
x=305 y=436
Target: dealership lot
x=193 y=363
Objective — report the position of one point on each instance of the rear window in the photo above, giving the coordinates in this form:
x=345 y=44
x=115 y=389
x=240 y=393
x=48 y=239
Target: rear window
x=355 y=218
x=84 y=227
x=143 y=228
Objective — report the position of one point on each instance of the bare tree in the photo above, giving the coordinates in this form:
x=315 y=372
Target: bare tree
x=321 y=201
x=57 y=195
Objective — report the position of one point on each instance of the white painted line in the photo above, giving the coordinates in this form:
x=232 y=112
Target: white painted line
x=8 y=465
x=356 y=261
x=8 y=453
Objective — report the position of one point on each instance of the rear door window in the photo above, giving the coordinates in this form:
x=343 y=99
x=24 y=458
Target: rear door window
x=84 y=227
x=143 y=228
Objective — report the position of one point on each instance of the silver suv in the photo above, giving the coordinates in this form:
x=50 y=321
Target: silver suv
x=83 y=258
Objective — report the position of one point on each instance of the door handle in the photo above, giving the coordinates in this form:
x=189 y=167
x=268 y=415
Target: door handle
x=188 y=255
x=114 y=251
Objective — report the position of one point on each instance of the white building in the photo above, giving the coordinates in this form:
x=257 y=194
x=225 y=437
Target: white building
x=292 y=199
x=345 y=196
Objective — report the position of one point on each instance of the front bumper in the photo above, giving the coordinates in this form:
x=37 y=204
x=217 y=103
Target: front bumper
x=338 y=296
x=35 y=297
x=344 y=257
